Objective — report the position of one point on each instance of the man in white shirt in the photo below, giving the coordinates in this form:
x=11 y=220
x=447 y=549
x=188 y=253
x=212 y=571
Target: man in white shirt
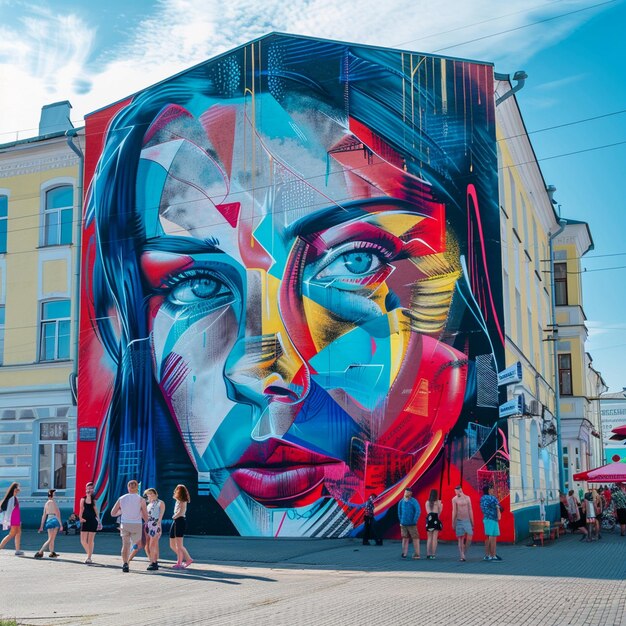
x=133 y=511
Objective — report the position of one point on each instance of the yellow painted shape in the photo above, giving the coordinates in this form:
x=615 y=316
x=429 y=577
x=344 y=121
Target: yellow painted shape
x=395 y=223
x=55 y=276
x=323 y=326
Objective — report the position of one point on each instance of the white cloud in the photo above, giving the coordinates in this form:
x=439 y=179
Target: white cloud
x=43 y=63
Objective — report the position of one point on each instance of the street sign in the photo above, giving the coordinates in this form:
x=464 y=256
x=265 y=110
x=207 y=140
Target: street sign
x=510 y=375
x=512 y=407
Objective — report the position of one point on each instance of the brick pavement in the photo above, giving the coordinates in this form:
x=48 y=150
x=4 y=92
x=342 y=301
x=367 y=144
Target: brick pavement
x=263 y=581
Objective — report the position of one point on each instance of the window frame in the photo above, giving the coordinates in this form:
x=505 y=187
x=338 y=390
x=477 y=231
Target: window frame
x=560 y=285
x=4 y=193
x=37 y=466
x=45 y=189
x=565 y=371
x=44 y=322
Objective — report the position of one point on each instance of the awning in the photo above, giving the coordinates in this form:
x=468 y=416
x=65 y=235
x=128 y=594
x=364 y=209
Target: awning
x=611 y=473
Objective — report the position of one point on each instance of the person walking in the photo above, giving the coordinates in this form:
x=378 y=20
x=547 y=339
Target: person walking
x=131 y=507
x=619 y=499
x=462 y=521
x=408 y=514
x=153 y=531
x=433 y=507
x=490 y=506
x=51 y=522
x=589 y=510
x=12 y=519
x=89 y=521
x=179 y=526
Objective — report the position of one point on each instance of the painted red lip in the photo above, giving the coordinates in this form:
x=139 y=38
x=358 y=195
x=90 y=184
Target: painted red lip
x=276 y=473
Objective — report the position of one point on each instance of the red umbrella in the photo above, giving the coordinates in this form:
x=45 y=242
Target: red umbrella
x=620 y=433
x=611 y=473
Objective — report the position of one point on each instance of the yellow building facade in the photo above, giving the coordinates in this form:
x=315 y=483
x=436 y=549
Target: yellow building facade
x=527 y=222
x=580 y=385
x=39 y=211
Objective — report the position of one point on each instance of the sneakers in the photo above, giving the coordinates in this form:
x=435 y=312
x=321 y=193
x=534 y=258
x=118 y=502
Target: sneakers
x=496 y=558
x=430 y=556
x=39 y=555
x=403 y=556
x=20 y=553
x=53 y=555
x=487 y=558
x=152 y=567
x=416 y=556
x=186 y=564
x=125 y=568
x=88 y=561
x=178 y=566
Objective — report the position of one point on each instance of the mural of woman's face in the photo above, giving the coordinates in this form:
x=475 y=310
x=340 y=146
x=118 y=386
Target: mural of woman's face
x=289 y=267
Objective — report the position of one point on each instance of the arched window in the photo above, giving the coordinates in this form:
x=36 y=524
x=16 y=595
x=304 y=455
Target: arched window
x=57 y=216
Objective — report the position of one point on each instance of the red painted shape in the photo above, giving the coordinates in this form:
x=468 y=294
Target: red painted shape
x=156 y=266
x=230 y=211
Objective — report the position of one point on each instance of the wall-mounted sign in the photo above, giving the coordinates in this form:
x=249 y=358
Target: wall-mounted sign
x=510 y=375
x=87 y=433
x=512 y=407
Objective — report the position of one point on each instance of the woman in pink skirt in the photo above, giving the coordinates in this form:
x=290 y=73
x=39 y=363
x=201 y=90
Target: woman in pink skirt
x=12 y=520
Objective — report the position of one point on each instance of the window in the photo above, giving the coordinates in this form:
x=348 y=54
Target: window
x=52 y=456
x=2 y=310
x=565 y=374
x=54 y=341
x=560 y=283
x=4 y=218
x=57 y=219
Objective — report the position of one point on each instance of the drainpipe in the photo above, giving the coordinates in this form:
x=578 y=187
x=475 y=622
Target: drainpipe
x=70 y=134
x=555 y=355
x=519 y=77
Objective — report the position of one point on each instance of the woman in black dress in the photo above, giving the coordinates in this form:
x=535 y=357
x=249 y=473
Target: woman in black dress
x=434 y=506
x=89 y=521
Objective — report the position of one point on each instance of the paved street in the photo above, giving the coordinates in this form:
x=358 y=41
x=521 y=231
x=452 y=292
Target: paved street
x=262 y=581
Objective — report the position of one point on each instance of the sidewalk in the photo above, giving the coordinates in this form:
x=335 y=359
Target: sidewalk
x=338 y=581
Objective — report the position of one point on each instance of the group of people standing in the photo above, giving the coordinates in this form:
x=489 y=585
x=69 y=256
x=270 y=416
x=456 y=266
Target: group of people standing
x=140 y=523
x=462 y=521
x=586 y=515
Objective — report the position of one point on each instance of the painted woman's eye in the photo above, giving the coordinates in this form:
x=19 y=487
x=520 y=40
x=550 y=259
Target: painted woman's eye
x=198 y=289
x=359 y=262
x=351 y=264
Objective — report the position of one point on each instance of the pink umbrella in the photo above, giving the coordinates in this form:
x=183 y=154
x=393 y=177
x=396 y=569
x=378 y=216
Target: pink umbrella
x=611 y=473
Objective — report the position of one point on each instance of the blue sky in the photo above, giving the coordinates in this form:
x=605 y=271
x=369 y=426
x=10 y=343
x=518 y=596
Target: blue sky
x=573 y=51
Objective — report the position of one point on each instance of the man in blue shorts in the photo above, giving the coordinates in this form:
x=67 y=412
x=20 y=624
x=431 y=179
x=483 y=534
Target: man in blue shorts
x=491 y=509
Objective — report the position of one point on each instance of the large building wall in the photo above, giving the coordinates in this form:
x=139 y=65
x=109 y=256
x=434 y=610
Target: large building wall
x=291 y=288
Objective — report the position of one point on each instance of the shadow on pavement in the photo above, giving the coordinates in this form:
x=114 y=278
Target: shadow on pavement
x=604 y=559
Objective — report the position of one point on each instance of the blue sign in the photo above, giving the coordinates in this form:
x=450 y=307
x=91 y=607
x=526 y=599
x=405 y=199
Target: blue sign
x=512 y=407
x=510 y=375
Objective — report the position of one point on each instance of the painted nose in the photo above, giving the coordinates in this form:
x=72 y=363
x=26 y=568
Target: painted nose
x=269 y=369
